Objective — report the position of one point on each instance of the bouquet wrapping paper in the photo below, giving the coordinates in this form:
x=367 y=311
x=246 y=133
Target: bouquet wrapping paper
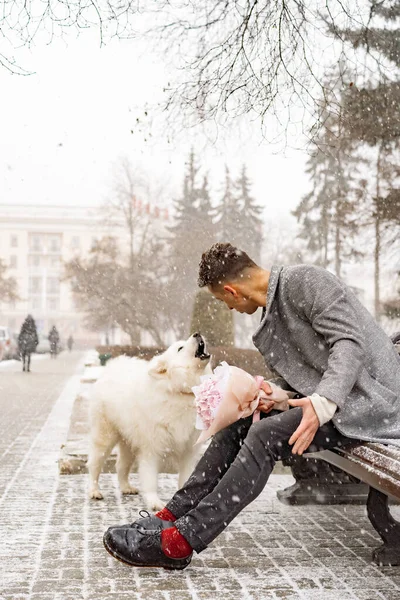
x=230 y=394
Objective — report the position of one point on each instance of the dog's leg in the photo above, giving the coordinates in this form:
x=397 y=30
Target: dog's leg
x=124 y=463
x=187 y=462
x=148 y=478
x=100 y=449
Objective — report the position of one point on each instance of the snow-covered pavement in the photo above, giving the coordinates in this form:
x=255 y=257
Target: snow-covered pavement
x=51 y=534
x=12 y=363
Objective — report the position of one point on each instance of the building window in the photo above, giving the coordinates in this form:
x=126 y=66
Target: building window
x=53 y=285
x=36 y=243
x=54 y=244
x=34 y=261
x=13 y=261
x=55 y=261
x=14 y=241
x=36 y=303
x=35 y=285
x=75 y=242
x=53 y=303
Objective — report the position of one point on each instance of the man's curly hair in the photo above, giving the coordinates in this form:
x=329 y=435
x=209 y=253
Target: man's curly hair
x=222 y=262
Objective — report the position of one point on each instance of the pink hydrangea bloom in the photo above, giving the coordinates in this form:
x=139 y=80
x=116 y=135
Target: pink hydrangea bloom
x=227 y=388
x=208 y=399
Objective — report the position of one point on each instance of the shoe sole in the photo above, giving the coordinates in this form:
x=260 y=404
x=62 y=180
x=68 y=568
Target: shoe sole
x=130 y=564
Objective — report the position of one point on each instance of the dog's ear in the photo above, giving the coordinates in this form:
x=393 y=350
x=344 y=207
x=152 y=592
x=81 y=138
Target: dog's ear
x=158 y=367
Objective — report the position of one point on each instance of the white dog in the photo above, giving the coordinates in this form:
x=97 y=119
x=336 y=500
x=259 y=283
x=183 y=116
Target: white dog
x=147 y=408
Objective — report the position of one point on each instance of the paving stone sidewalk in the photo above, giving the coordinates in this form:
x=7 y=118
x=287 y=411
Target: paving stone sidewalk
x=51 y=540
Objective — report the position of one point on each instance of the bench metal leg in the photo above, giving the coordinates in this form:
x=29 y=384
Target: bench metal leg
x=387 y=527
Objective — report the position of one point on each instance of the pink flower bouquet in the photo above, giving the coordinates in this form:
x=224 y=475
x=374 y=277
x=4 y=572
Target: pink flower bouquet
x=230 y=394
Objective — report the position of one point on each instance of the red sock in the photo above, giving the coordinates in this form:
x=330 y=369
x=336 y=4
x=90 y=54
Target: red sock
x=165 y=515
x=174 y=545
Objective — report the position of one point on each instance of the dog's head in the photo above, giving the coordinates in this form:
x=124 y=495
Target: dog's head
x=182 y=364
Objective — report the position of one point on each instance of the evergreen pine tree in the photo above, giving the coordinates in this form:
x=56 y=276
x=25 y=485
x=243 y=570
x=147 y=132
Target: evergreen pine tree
x=227 y=215
x=191 y=234
x=212 y=319
x=250 y=223
x=374 y=110
x=328 y=214
x=373 y=117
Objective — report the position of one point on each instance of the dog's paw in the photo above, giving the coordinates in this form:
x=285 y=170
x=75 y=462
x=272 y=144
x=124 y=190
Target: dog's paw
x=96 y=495
x=129 y=489
x=153 y=503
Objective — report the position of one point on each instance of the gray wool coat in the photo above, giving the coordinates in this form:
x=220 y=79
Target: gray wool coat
x=316 y=334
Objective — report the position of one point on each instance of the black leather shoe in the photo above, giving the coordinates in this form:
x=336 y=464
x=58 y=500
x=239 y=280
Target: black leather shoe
x=141 y=547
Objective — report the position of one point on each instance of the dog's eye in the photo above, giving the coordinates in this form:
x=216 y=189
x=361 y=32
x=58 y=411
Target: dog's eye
x=179 y=349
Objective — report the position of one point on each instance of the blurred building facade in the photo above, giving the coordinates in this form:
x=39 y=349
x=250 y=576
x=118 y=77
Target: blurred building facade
x=35 y=242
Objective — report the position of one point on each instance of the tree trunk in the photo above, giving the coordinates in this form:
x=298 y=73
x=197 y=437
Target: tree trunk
x=377 y=266
x=134 y=334
x=377 y=253
x=338 y=262
x=325 y=230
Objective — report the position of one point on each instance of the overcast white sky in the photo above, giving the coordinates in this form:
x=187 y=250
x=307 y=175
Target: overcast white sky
x=63 y=129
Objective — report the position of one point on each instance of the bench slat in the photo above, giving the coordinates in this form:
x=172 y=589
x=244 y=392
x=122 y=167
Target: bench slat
x=373 y=456
x=357 y=467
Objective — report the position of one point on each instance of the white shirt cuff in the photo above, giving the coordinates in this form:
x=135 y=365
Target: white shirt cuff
x=324 y=408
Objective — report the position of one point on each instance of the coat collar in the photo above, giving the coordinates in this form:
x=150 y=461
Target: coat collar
x=272 y=285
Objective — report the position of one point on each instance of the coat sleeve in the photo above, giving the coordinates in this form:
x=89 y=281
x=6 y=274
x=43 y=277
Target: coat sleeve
x=323 y=300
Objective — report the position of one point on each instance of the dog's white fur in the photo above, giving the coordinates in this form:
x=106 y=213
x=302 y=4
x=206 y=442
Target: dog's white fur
x=147 y=408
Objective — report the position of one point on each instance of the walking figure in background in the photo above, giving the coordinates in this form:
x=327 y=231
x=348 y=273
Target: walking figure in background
x=54 y=340
x=70 y=342
x=27 y=342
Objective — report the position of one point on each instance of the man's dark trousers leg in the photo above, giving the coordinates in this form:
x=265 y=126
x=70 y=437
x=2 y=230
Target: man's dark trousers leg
x=234 y=470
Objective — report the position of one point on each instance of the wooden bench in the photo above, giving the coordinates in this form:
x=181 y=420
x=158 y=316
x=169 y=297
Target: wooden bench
x=379 y=467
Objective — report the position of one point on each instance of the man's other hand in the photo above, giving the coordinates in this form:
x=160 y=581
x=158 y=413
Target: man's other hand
x=309 y=425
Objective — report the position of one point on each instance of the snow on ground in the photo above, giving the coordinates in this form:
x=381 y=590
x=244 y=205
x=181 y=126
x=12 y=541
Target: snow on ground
x=8 y=364
x=51 y=533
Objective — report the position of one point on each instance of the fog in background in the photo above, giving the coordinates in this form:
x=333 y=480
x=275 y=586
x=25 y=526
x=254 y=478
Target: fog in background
x=85 y=128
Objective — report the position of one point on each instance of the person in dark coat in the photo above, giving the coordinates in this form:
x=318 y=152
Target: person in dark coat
x=327 y=349
x=70 y=342
x=54 y=339
x=27 y=342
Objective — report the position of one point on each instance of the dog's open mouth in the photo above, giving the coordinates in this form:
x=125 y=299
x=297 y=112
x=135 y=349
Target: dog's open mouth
x=201 y=351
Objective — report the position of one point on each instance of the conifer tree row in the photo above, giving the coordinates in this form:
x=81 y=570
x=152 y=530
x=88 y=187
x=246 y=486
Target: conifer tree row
x=198 y=223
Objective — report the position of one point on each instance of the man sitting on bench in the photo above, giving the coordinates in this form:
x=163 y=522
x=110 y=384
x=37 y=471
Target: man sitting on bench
x=320 y=339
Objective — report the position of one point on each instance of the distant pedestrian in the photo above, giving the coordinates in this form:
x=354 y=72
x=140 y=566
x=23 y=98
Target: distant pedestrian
x=70 y=342
x=54 y=339
x=27 y=342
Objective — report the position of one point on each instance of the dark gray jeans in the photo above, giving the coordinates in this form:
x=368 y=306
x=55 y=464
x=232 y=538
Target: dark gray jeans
x=235 y=469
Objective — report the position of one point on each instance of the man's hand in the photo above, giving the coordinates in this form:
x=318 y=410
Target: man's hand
x=309 y=425
x=266 y=405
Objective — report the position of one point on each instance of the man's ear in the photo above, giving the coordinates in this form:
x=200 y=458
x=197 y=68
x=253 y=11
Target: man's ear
x=230 y=290
x=158 y=367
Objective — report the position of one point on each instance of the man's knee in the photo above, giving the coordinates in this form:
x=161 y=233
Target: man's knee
x=269 y=434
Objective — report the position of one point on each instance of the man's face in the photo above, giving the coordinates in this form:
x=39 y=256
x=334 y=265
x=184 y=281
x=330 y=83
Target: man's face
x=234 y=299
